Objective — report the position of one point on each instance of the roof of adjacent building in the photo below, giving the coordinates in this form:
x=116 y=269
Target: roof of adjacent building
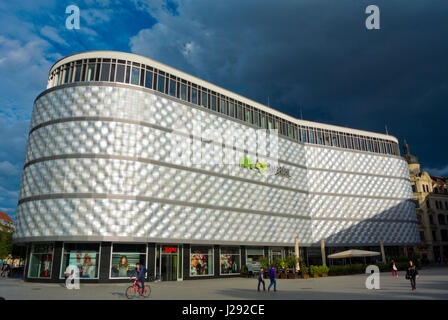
x=4 y=216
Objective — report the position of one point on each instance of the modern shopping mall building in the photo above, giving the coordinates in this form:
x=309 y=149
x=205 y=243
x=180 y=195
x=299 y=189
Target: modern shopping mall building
x=103 y=186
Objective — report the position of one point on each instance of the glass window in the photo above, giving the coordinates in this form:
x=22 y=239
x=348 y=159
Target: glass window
x=319 y=138
x=83 y=75
x=125 y=257
x=194 y=96
x=105 y=68
x=78 y=73
x=183 y=91
x=112 y=72
x=204 y=98
x=97 y=71
x=172 y=91
x=255 y=113
x=148 y=80
x=213 y=103
x=84 y=256
x=334 y=139
x=247 y=116
x=135 y=75
x=253 y=259
x=311 y=136
x=263 y=121
x=239 y=112
x=356 y=143
x=362 y=144
x=375 y=146
x=327 y=139
x=161 y=83
x=120 y=73
x=275 y=253
x=230 y=260
x=369 y=145
x=201 y=261
x=67 y=74
x=128 y=74
x=270 y=123
x=223 y=106
x=231 y=110
x=303 y=135
x=90 y=72
x=41 y=261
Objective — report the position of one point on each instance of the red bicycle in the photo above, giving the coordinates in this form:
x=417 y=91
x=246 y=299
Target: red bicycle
x=134 y=290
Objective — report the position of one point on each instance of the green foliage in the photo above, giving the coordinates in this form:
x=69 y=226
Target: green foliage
x=303 y=268
x=5 y=244
x=265 y=263
x=314 y=270
x=244 y=269
x=279 y=263
x=291 y=261
x=323 y=269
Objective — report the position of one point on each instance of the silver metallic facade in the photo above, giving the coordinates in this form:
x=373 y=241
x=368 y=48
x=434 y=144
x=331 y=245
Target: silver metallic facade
x=98 y=167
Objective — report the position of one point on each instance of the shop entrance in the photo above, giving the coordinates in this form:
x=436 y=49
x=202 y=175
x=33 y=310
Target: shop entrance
x=169 y=262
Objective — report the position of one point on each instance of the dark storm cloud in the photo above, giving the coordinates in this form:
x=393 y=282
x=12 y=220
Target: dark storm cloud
x=317 y=55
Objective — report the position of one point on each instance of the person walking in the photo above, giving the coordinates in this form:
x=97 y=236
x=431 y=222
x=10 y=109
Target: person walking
x=261 y=279
x=272 y=272
x=394 y=269
x=412 y=274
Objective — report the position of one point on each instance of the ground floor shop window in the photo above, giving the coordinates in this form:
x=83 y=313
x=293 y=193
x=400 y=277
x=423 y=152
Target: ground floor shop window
x=201 y=261
x=41 y=261
x=275 y=253
x=230 y=260
x=84 y=256
x=125 y=257
x=253 y=259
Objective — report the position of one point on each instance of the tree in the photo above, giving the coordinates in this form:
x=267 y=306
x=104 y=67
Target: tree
x=5 y=244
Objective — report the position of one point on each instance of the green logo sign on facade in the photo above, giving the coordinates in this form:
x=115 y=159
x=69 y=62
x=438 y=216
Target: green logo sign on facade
x=246 y=162
x=252 y=164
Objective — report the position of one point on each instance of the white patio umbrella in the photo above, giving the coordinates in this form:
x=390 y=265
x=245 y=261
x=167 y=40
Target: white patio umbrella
x=353 y=253
x=296 y=249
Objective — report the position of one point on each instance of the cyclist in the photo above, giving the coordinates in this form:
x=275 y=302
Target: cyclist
x=139 y=273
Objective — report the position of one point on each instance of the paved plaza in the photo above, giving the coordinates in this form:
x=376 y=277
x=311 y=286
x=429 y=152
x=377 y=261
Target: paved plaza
x=432 y=284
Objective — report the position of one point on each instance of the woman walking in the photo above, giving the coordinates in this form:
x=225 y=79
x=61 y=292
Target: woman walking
x=394 y=269
x=261 y=279
x=411 y=274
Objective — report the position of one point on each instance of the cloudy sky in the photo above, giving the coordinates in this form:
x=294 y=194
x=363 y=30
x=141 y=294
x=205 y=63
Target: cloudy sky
x=310 y=55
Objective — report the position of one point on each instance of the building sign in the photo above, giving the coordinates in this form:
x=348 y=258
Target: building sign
x=170 y=249
x=252 y=164
x=246 y=162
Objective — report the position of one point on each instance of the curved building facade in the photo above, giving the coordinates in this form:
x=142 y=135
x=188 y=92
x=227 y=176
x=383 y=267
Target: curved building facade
x=110 y=178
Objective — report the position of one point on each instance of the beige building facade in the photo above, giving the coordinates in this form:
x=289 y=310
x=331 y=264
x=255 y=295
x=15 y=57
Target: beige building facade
x=431 y=200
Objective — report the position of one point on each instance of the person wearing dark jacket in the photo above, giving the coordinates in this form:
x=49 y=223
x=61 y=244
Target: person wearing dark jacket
x=272 y=278
x=411 y=274
x=139 y=273
x=261 y=279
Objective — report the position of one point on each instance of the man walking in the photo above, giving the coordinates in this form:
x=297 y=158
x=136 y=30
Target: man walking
x=272 y=272
x=411 y=274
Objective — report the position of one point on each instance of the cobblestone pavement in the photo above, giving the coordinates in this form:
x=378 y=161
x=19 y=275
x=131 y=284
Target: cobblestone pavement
x=432 y=284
